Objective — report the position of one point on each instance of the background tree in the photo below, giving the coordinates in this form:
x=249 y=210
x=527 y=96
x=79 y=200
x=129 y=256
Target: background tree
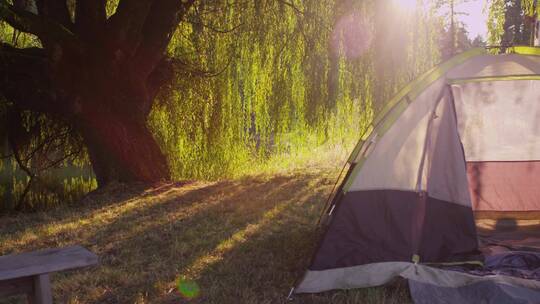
x=243 y=85
x=511 y=22
x=95 y=73
x=518 y=22
x=454 y=37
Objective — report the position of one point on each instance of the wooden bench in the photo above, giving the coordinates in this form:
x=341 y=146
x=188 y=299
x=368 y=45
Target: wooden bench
x=28 y=273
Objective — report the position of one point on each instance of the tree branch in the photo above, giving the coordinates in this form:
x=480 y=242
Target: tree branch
x=160 y=24
x=56 y=10
x=27 y=163
x=21 y=69
x=90 y=17
x=216 y=29
x=125 y=25
x=162 y=74
x=194 y=71
x=41 y=26
x=291 y=5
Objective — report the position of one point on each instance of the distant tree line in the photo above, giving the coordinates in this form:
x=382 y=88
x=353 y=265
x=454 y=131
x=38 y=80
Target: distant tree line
x=512 y=22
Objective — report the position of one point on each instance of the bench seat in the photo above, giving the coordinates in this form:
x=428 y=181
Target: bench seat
x=28 y=273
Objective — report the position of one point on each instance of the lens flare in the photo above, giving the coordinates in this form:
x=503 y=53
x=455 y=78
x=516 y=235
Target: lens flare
x=407 y=4
x=188 y=289
x=351 y=36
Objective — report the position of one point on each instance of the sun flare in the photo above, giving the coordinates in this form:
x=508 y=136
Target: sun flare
x=408 y=5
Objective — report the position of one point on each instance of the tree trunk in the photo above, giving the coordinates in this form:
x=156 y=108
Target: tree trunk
x=122 y=149
x=99 y=74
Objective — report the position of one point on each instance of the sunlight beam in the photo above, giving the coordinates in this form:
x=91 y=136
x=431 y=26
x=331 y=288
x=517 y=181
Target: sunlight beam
x=194 y=270
x=408 y=5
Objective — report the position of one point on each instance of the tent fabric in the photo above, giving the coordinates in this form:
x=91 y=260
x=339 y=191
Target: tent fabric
x=390 y=225
x=447 y=176
x=377 y=274
x=506 y=234
x=518 y=258
x=474 y=293
x=504 y=186
x=499 y=120
x=488 y=65
x=417 y=86
x=392 y=109
x=464 y=137
x=400 y=149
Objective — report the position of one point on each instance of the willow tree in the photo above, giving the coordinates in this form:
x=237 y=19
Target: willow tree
x=97 y=73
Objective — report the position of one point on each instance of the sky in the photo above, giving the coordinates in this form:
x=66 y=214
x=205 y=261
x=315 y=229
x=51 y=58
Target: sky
x=475 y=21
x=475 y=18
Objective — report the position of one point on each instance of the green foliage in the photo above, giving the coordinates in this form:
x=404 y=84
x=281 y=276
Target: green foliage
x=260 y=86
x=528 y=7
x=511 y=22
x=496 y=22
x=45 y=164
x=280 y=91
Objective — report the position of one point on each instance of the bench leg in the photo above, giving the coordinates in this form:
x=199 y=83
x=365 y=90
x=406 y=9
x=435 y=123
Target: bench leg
x=16 y=287
x=42 y=293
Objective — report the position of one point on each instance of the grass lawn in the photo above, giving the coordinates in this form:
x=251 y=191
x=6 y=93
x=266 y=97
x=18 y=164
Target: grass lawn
x=241 y=241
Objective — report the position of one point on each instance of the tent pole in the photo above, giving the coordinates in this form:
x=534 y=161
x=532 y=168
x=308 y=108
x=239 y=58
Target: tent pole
x=290 y=296
x=327 y=203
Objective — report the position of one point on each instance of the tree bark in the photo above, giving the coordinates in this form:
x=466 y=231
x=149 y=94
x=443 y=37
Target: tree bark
x=110 y=110
x=122 y=149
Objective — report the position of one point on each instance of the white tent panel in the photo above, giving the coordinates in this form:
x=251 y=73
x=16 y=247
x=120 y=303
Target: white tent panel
x=446 y=172
x=394 y=161
x=496 y=65
x=499 y=120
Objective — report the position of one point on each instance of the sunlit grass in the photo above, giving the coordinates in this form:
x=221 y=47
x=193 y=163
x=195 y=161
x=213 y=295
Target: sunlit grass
x=194 y=270
x=329 y=157
x=243 y=240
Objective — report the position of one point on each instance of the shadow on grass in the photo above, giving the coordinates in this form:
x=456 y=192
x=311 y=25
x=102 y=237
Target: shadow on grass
x=94 y=202
x=242 y=241
x=264 y=268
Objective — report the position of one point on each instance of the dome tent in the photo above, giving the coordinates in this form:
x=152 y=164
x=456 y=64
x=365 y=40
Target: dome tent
x=461 y=140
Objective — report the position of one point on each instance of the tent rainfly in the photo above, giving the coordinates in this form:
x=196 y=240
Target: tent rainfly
x=460 y=141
